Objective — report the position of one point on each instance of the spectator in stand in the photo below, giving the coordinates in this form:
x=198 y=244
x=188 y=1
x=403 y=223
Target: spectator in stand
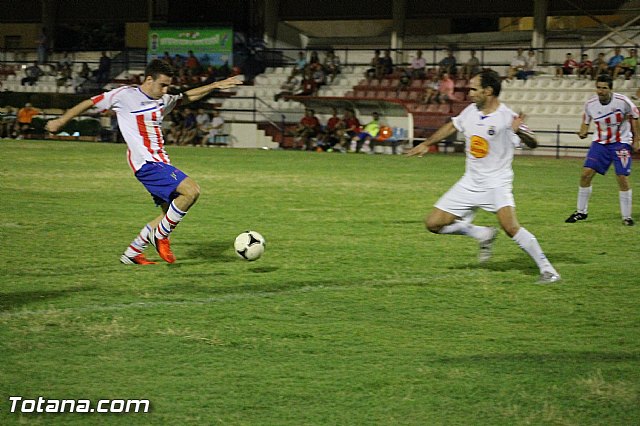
x=203 y=120
x=387 y=64
x=24 y=118
x=585 y=67
x=417 y=67
x=350 y=127
x=530 y=65
x=176 y=118
x=517 y=64
x=167 y=59
x=8 y=123
x=308 y=85
x=446 y=87
x=214 y=128
x=567 y=67
x=430 y=92
x=377 y=66
x=628 y=65
x=43 y=47
x=331 y=65
x=189 y=128
x=328 y=137
x=314 y=59
x=301 y=65
x=449 y=64
x=367 y=135
x=471 y=67
x=33 y=73
x=307 y=129
x=65 y=61
x=103 y=73
x=192 y=64
x=63 y=76
x=615 y=60
x=288 y=88
x=318 y=74
x=178 y=62
x=600 y=66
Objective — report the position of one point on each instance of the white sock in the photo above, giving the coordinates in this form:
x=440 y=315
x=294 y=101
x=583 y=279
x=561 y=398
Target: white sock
x=583 y=199
x=528 y=242
x=460 y=227
x=169 y=221
x=139 y=244
x=625 y=203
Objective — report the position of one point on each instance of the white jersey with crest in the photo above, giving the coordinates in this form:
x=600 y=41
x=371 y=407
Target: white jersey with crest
x=140 y=121
x=611 y=120
x=489 y=145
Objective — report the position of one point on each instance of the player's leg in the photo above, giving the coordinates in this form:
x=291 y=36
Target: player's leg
x=597 y=161
x=527 y=242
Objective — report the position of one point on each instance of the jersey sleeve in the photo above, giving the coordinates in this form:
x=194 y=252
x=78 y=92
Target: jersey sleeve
x=586 y=116
x=633 y=109
x=458 y=121
x=103 y=101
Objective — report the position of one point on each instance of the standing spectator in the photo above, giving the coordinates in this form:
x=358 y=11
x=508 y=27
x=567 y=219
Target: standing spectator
x=617 y=135
x=614 y=60
x=446 y=87
x=33 y=74
x=103 y=73
x=628 y=65
x=471 y=67
x=387 y=63
x=517 y=64
x=600 y=66
x=24 y=118
x=307 y=129
x=585 y=67
x=567 y=67
x=43 y=47
x=417 y=67
x=449 y=64
x=530 y=65
x=301 y=64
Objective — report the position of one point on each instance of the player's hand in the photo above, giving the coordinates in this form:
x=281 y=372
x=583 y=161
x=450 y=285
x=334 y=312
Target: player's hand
x=517 y=122
x=581 y=135
x=418 y=150
x=53 y=126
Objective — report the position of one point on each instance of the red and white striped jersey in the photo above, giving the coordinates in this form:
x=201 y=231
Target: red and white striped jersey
x=140 y=121
x=612 y=121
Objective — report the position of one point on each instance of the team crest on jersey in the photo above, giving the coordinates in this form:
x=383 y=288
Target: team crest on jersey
x=479 y=146
x=492 y=130
x=623 y=156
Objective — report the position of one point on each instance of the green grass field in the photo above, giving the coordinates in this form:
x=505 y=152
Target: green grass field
x=355 y=315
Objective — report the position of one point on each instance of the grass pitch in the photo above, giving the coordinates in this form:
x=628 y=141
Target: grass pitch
x=354 y=315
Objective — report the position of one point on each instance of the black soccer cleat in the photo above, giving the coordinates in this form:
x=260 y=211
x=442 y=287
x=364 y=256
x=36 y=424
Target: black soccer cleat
x=576 y=216
x=627 y=221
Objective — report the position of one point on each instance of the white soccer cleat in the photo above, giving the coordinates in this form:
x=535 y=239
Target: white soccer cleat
x=486 y=246
x=549 y=277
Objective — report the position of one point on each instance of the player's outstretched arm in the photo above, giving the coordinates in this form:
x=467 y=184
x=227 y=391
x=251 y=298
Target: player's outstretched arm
x=54 y=126
x=199 y=92
x=442 y=133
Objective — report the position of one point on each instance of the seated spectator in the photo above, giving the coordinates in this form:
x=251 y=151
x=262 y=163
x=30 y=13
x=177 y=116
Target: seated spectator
x=307 y=129
x=189 y=128
x=65 y=61
x=24 y=119
x=366 y=136
x=103 y=73
x=203 y=120
x=192 y=64
x=567 y=67
x=308 y=85
x=214 y=128
x=471 y=67
x=328 y=137
x=417 y=67
x=33 y=73
x=517 y=64
x=430 y=92
x=614 y=60
x=178 y=62
x=446 y=87
x=8 y=123
x=387 y=64
x=585 y=67
x=288 y=88
x=176 y=124
x=377 y=66
x=349 y=128
x=530 y=65
x=600 y=66
x=628 y=65
x=63 y=76
x=448 y=64
x=331 y=65
x=314 y=59
x=317 y=71
x=167 y=59
x=85 y=71
x=300 y=66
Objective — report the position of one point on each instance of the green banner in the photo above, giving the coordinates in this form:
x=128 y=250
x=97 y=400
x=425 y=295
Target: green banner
x=211 y=45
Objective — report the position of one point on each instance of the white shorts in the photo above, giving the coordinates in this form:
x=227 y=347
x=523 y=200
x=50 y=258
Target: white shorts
x=460 y=201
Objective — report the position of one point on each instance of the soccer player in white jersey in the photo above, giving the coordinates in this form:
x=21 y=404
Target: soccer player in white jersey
x=616 y=136
x=492 y=131
x=140 y=111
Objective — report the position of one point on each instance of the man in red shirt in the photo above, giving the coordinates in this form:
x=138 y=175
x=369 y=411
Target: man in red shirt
x=307 y=129
x=585 y=67
x=567 y=67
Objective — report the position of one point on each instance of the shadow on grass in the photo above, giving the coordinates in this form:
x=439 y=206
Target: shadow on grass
x=208 y=250
x=13 y=301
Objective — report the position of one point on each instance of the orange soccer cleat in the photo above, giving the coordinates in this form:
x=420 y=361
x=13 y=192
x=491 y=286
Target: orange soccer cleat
x=137 y=260
x=163 y=247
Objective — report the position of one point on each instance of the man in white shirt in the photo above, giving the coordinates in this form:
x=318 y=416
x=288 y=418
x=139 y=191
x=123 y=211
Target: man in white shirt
x=492 y=131
x=418 y=63
x=214 y=128
x=616 y=136
x=140 y=111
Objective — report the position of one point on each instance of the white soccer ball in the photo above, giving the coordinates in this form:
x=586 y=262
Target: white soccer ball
x=249 y=245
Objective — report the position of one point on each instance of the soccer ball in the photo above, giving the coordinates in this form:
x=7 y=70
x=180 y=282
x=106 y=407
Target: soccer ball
x=249 y=245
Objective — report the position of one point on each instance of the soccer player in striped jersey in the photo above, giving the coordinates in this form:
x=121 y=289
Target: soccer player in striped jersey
x=140 y=111
x=616 y=136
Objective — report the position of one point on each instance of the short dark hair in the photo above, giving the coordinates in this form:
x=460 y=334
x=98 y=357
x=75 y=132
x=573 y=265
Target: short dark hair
x=605 y=78
x=490 y=78
x=156 y=68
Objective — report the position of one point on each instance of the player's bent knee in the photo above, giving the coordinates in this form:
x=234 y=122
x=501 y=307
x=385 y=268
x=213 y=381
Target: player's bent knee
x=432 y=225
